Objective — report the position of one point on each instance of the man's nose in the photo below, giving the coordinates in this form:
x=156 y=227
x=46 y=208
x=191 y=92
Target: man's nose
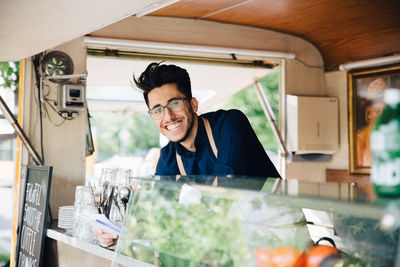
x=168 y=114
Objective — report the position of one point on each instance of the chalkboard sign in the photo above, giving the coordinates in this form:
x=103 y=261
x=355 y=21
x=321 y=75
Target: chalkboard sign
x=32 y=232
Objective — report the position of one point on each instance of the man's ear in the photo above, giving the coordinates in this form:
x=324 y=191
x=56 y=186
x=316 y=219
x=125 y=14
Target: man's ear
x=195 y=104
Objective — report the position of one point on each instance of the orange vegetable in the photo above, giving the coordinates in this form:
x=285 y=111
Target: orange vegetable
x=287 y=257
x=262 y=257
x=318 y=253
x=280 y=257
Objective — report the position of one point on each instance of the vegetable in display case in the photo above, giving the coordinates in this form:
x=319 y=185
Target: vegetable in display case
x=185 y=223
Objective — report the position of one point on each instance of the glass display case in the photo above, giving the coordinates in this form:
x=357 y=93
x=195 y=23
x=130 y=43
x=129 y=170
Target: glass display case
x=221 y=221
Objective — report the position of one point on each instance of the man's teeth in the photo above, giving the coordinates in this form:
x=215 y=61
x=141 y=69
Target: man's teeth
x=173 y=126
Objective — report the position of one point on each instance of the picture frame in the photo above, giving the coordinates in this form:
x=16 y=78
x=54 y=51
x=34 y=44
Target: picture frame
x=365 y=104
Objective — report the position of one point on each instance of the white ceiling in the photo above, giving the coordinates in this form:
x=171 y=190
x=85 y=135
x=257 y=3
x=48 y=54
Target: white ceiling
x=210 y=83
x=30 y=27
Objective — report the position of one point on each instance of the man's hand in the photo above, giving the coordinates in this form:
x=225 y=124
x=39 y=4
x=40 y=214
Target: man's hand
x=105 y=239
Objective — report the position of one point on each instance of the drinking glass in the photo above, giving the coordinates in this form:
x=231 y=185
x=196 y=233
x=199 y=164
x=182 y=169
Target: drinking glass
x=122 y=179
x=107 y=176
x=83 y=204
x=122 y=176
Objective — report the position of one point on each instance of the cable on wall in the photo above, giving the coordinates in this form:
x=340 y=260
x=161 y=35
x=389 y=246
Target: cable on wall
x=36 y=63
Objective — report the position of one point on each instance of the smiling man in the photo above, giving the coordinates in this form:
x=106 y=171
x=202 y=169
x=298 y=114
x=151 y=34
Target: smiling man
x=216 y=143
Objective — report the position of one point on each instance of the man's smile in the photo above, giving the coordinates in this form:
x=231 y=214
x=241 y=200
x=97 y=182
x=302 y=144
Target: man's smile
x=174 y=126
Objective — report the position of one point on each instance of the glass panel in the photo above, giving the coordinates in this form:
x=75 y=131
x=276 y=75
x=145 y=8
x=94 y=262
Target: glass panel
x=228 y=222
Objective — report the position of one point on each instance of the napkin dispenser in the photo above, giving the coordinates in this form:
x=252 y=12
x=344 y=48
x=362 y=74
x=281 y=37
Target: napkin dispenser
x=312 y=124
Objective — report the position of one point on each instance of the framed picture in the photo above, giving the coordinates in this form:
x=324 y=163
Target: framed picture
x=365 y=88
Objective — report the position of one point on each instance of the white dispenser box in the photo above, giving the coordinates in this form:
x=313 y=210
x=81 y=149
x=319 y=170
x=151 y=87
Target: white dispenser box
x=312 y=124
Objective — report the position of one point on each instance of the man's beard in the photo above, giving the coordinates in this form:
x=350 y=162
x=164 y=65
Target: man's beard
x=190 y=124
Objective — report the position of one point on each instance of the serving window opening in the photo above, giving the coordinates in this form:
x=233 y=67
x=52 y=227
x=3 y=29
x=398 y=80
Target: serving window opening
x=124 y=135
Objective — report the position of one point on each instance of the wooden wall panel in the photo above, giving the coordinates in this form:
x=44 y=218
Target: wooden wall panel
x=342 y=30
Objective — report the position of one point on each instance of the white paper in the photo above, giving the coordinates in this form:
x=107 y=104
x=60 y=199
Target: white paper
x=189 y=195
x=101 y=222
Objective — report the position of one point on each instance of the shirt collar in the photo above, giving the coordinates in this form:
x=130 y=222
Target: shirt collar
x=201 y=138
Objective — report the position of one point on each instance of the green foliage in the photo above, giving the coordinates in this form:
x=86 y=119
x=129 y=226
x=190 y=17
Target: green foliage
x=196 y=232
x=9 y=75
x=143 y=133
x=247 y=101
x=4 y=258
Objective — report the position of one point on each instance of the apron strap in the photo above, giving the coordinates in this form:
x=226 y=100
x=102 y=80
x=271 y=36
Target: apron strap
x=210 y=140
x=180 y=165
x=210 y=136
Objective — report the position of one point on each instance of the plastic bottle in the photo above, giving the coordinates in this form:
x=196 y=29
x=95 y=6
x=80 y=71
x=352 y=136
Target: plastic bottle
x=385 y=147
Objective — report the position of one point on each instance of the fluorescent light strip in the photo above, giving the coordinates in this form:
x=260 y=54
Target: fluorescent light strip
x=225 y=9
x=186 y=48
x=154 y=7
x=370 y=63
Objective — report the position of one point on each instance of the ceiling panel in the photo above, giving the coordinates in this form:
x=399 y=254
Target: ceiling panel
x=342 y=30
x=31 y=27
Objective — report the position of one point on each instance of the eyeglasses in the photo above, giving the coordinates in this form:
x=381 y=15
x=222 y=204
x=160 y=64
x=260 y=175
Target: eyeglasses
x=173 y=105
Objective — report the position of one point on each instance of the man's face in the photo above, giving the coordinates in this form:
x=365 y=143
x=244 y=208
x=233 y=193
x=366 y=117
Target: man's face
x=175 y=125
x=373 y=111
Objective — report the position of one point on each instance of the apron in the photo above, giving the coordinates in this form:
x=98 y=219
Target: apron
x=210 y=139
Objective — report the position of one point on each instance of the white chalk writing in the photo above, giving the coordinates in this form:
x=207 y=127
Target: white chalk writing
x=32 y=217
x=33 y=193
x=28 y=238
x=26 y=261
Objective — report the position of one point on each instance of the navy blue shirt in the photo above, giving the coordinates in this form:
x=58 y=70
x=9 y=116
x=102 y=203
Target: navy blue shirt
x=239 y=150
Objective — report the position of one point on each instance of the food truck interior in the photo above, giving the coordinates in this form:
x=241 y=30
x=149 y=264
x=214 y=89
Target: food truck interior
x=318 y=49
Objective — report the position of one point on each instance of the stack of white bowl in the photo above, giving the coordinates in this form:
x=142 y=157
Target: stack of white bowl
x=66 y=217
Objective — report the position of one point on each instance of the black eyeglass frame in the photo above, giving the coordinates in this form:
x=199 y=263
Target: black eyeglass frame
x=150 y=111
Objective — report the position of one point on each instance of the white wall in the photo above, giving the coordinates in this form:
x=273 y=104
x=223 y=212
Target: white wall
x=209 y=33
x=64 y=145
x=336 y=85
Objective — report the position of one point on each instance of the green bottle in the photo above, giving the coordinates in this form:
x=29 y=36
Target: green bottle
x=385 y=147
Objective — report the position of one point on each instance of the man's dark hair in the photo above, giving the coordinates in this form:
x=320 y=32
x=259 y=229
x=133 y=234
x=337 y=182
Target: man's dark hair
x=157 y=75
